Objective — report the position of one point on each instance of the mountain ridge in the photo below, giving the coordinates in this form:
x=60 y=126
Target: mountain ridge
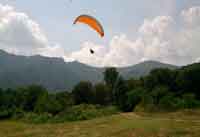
x=55 y=74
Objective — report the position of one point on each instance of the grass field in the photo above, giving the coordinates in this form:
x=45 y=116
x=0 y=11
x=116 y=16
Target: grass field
x=179 y=124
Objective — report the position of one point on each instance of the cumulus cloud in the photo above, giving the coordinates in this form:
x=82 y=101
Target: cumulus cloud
x=84 y=55
x=192 y=16
x=161 y=39
x=18 y=33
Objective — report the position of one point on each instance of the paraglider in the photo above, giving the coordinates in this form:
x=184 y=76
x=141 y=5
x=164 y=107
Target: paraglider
x=91 y=51
x=91 y=22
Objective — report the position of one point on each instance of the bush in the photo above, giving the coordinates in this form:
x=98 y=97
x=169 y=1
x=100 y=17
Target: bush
x=75 y=113
x=84 y=112
x=134 y=97
x=83 y=93
x=37 y=118
x=18 y=114
x=102 y=94
x=5 y=113
x=187 y=101
x=158 y=93
x=190 y=101
x=146 y=104
x=170 y=103
x=48 y=104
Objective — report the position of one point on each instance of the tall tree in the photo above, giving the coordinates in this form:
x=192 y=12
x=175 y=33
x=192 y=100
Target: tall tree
x=83 y=93
x=102 y=94
x=120 y=94
x=1 y=98
x=111 y=76
x=161 y=77
x=31 y=95
x=188 y=79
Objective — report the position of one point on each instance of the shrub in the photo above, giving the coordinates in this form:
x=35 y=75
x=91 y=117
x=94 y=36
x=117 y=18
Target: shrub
x=158 y=93
x=170 y=103
x=18 y=114
x=134 y=97
x=83 y=93
x=146 y=104
x=37 y=118
x=5 y=113
x=190 y=101
x=84 y=112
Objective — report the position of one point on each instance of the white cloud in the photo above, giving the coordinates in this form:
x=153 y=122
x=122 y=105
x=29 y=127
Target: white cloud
x=18 y=33
x=192 y=16
x=160 y=39
x=84 y=55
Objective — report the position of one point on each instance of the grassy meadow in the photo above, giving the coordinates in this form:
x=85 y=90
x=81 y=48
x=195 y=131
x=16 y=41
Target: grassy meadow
x=176 y=124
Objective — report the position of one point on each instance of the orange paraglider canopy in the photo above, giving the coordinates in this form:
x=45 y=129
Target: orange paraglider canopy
x=92 y=22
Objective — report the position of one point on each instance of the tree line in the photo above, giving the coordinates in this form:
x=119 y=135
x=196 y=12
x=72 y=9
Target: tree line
x=162 y=90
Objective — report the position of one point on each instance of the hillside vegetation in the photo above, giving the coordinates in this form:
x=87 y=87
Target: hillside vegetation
x=163 y=90
x=57 y=75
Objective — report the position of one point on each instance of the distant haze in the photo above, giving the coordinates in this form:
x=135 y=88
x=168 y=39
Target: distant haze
x=55 y=74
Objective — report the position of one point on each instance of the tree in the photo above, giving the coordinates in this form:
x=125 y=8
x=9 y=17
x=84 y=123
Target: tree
x=110 y=76
x=102 y=94
x=7 y=106
x=170 y=102
x=31 y=95
x=134 y=97
x=134 y=83
x=83 y=93
x=161 y=77
x=159 y=92
x=9 y=99
x=120 y=94
x=188 y=79
x=190 y=101
x=65 y=99
x=48 y=103
x=1 y=98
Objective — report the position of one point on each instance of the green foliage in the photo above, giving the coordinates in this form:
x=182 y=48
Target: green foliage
x=119 y=94
x=188 y=79
x=5 y=113
x=48 y=103
x=85 y=112
x=161 y=90
x=170 y=103
x=134 y=97
x=134 y=83
x=18 y=114
x=65 y=99
x=110 y=76
x=30 y=96
x=190 y=101
x=158 y=93
x=147 y=103
x=102 y=94
x=164 y=77
x=83 y=93
x=36 y=118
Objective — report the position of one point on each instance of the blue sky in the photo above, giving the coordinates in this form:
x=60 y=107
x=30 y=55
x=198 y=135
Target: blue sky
x=118 y=17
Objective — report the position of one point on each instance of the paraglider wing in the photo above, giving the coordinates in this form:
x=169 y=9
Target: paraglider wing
x=92 y=22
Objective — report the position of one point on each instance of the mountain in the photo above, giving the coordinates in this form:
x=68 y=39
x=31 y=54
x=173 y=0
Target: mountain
x=56 y=74
x=143 y=69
